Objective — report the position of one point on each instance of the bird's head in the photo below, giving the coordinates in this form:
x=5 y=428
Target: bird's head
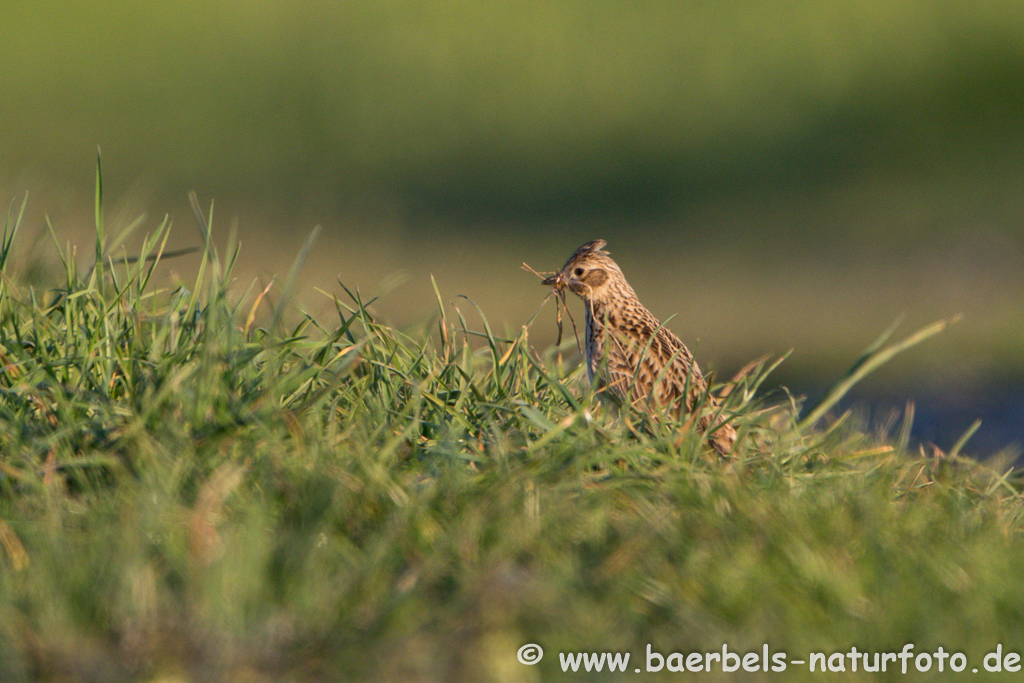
x=590 y=273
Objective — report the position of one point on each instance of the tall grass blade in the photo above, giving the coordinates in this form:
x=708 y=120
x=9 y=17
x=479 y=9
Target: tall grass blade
x=903 y=440
x=873 y=360
x=964 y=438
x=10 y=230
x=100 y=229
x=289 y=285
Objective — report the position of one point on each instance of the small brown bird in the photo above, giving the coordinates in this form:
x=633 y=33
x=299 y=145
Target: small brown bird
x=630 y=350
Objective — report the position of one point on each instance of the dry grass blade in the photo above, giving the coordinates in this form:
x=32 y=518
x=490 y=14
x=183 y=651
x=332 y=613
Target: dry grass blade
x=528 y=269
x=12 y=544
x=252 y=311
x=738 y=377
x=562 y=307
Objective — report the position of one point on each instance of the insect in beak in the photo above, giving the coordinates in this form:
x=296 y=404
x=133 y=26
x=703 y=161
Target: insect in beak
x=557 y=281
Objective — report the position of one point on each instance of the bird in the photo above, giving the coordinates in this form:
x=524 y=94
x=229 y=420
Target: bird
x=638 y=360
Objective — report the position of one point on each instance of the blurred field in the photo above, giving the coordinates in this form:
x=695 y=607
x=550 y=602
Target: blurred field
x=524 y=108
x=775 y=175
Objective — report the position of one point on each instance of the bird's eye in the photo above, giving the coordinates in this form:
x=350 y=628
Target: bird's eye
x=578 y=272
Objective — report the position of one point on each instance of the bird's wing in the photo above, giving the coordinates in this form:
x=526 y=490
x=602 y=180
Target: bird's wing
x=683 y=375
x=646 y=365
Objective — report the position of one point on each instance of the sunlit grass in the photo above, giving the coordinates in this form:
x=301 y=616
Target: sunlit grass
x=187 y=491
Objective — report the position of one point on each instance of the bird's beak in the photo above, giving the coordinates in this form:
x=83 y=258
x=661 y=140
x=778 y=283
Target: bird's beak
x=556 y=280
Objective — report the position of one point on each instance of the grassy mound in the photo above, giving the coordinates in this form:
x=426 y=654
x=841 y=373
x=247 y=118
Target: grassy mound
x=188 y=495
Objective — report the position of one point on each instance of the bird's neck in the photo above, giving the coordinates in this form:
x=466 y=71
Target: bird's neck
x=598 y=314
x=611 y=300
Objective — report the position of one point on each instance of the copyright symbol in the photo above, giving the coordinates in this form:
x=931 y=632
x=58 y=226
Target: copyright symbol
x=530 y=654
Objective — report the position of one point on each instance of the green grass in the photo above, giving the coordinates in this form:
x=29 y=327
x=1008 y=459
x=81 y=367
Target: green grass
x=190 y=490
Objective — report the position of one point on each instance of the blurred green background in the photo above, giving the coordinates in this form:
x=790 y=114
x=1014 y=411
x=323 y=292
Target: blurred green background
x=776 y=175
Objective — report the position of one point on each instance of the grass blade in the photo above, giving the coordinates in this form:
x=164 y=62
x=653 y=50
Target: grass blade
x=874 y=359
